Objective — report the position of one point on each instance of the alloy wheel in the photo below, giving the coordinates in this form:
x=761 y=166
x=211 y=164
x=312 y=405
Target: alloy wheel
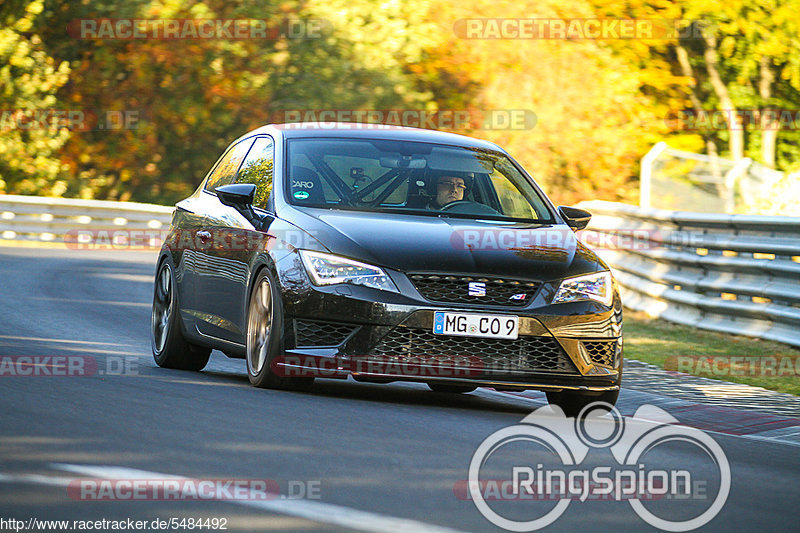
x=259 y=326
x=162 y=307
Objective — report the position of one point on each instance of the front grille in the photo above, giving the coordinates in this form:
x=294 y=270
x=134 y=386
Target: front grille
x=601 y=352
x=310 y=333
x=524 y=354
x=456 y=289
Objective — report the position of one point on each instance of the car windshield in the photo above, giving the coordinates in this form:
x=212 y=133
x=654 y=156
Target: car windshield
x=410 y=177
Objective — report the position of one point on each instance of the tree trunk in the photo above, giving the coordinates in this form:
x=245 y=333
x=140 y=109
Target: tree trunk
x=767 y=121
x=711 y=148
x=732 y=118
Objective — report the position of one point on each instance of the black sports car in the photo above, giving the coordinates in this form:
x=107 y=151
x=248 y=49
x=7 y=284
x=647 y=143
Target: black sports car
x=386 y=253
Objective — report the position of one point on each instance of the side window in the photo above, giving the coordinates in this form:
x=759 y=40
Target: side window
x=257 y=169
x=228 y=165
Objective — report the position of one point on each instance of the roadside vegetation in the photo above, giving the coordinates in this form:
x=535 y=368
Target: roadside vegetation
x=710 y=354
x=157 y=112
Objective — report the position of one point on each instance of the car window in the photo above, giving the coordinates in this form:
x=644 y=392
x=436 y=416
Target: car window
x=301 y=165
x=417 y=178
x=258 y=170
x=226 y=168
x=356 y=172
x=513 y=202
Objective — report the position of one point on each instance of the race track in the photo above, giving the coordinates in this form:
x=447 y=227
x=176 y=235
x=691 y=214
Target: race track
x=374 y=457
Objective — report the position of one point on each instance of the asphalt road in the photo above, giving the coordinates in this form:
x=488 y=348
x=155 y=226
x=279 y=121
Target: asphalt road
x=371 y=457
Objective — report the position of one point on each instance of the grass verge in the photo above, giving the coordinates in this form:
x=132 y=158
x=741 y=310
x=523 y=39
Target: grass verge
x=757 y=362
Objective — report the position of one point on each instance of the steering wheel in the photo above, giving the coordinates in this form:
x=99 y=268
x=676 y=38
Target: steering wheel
x=469 y=207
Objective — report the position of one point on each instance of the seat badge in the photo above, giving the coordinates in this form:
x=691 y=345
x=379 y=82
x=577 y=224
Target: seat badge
x=477 y=288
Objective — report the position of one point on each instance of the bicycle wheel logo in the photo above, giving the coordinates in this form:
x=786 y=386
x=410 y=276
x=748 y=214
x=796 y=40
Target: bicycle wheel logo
x=568 y=442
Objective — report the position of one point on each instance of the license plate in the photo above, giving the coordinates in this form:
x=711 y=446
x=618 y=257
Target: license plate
x=473 y=325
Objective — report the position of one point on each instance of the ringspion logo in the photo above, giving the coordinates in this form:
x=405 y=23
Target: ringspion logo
x=561 y=446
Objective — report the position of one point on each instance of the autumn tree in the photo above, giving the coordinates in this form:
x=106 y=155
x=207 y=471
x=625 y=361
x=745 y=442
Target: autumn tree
x=739 y=59
x=29 y=79
x=191 y=97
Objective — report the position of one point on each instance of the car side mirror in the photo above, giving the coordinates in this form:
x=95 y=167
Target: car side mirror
x=574 y=217
x=240 y=196
x=236 y=195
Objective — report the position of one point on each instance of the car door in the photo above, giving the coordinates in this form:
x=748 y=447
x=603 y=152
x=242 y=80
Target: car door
x=224 y=285
x=188 y=222
x=212 y=270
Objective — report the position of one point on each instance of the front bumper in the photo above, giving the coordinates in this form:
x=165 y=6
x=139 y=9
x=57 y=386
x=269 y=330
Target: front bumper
x=341 y=331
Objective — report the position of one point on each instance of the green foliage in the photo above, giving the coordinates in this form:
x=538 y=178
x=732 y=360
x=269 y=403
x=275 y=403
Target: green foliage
x=259 y=173
x=757 y=43
x=655 y=341
x=192 y=97
x=29 y=80
x=600 y=104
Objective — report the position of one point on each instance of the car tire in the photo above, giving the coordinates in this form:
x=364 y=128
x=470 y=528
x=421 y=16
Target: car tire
x=572 y=403
x=453 y=389
x=170 y=348
x=264 y=342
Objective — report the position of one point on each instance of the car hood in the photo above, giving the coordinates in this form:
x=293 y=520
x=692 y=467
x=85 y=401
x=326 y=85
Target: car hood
x=446 y=244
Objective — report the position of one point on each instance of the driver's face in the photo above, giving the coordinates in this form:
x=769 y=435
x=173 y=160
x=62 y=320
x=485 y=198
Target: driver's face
x=450 y=189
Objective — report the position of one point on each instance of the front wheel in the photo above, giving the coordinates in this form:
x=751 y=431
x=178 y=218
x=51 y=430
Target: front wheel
x=572 y=403
x=264 y=343
x=170 y=348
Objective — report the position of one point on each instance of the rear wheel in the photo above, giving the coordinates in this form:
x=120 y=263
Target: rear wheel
x=264 y=343
x=170 y=348
x=454 y=389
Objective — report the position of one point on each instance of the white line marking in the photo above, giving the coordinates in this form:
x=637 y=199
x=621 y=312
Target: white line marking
x=36 y=478
x=326 y=513
x=41 y=339
x=100 y=302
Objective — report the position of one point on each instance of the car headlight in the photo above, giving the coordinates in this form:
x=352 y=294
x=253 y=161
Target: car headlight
x=595 y=287
x=327 y=269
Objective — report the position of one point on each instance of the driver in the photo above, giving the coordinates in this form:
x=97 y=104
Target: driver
x=449 y=189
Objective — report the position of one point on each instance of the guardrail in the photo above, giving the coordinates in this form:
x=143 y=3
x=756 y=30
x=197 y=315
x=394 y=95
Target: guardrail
x=34 y=218
x=730 y=273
